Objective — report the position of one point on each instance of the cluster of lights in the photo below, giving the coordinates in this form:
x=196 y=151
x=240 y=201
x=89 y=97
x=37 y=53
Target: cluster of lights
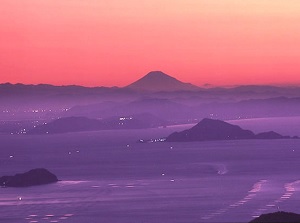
x=22 y=131
x=35 y=111
x=125 y=118
x=152 y=140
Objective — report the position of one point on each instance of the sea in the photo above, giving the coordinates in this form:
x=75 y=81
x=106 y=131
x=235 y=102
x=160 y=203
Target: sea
x=108 y=176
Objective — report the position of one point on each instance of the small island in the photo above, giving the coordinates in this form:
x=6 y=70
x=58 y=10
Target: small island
x=33 y=177
x=212 y=130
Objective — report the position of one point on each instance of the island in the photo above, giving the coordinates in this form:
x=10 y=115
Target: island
x=33 y=177
x=212 y=130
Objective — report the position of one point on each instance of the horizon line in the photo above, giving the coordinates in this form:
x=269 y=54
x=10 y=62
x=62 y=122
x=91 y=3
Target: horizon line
x=204 y=86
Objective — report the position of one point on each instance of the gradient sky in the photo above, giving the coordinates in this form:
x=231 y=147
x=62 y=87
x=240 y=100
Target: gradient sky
x=114 y=42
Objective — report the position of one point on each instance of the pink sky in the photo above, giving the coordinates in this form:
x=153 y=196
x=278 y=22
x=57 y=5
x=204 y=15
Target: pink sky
x=114 y=42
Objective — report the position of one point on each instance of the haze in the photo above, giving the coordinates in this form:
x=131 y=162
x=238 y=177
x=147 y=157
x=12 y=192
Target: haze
x=115 y=42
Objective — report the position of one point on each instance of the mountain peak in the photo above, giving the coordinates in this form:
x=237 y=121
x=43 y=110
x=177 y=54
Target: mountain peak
x=159 y=81
x=157 y=73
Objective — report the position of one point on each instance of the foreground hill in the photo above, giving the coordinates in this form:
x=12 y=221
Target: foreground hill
x=280 y=216
x=210 y=129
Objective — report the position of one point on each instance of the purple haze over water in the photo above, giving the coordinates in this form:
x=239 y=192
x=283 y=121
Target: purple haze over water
x=108 y=177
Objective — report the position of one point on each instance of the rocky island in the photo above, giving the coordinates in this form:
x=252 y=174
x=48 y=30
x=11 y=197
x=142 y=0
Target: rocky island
x=211 y=130
x=33 y=177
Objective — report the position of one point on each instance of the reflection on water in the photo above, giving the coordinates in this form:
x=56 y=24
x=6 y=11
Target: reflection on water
x=251 y=194
x=198 y=199
x=47 y=218
x=290 y=189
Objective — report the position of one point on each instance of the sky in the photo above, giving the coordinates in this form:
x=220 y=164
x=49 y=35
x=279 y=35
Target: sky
x=115 y=42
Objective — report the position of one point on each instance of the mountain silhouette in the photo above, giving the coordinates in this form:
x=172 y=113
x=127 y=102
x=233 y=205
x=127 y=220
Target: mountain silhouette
x=279 y=216
x=211 y=129
x=159 y=81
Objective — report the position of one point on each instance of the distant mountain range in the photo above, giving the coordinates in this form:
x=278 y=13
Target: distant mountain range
x=212 y=130
x=156 y=93
x=153 y=83
x=182 y=111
